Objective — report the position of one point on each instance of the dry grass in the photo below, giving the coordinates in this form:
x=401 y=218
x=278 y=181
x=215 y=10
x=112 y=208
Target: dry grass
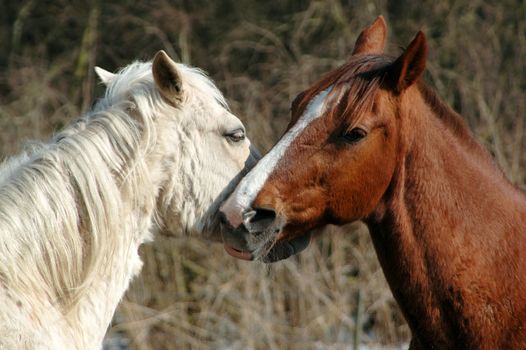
x=301 y=303
x=261 y=54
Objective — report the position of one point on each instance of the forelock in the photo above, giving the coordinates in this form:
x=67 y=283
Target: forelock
x=355 y=83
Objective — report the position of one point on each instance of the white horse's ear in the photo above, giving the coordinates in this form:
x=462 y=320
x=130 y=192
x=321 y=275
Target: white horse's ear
x=167 y=77
x=104 y=76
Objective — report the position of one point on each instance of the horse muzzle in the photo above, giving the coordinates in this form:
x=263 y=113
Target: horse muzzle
x=257 y=237
x=235 y=240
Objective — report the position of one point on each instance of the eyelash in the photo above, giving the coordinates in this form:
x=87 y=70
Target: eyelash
x=236 y=135
x=354 y=135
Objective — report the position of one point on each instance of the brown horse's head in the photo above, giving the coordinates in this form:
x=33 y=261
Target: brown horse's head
x=337 y=158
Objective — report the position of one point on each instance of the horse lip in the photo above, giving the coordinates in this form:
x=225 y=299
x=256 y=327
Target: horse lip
x=236 y=253
x=283 y=250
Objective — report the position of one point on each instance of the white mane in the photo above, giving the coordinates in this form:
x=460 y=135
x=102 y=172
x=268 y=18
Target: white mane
x=74 y=211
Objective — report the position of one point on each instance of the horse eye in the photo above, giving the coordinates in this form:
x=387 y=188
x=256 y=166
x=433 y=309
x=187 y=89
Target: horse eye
x=354 y=135
x=237 y=135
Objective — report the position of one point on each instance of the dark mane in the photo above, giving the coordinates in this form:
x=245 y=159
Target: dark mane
x=372 y=69
x=456 y=124
x=450 y=118
x=356 y=82
x=359 y=79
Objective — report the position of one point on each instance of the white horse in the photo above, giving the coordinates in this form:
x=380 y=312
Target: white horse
x=160 y=150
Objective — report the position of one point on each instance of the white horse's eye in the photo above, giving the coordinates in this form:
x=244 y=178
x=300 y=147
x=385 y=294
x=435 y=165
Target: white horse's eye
x=236 y=135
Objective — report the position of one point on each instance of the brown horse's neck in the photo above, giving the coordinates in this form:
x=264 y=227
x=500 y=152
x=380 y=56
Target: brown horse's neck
x=450 y=234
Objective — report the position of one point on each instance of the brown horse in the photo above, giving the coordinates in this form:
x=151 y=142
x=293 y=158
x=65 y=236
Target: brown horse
x=371 y=141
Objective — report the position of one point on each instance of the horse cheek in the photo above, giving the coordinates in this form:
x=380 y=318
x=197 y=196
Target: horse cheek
x=360 y=183
x=381 y=164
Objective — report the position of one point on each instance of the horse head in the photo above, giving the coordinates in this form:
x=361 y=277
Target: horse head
x=201 y=147
x=336 y=159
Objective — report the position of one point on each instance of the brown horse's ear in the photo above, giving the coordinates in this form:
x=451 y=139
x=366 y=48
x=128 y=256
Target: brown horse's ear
x=410 y=65
x=372 y=39
x=166 y=77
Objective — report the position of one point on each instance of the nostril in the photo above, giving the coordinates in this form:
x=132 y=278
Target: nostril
x=264 y=214
x=259 y=219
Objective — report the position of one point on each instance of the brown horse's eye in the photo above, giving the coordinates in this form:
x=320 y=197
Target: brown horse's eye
x=354 y=135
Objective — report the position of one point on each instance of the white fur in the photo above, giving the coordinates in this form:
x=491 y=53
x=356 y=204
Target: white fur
x=104 y=76
x=74 y=211
x=247 y=190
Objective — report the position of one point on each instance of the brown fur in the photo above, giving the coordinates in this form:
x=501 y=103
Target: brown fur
x=448 y=228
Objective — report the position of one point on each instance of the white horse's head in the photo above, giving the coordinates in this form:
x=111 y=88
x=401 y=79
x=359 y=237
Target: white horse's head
x=200 y=149
x=159 y=152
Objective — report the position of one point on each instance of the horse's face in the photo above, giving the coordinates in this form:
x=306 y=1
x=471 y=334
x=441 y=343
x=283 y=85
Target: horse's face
x=212 y=153
x=334 y=163
x=201 y=150
x=329 y=167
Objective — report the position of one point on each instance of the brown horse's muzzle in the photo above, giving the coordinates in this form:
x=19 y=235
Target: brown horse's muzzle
x=256 y=238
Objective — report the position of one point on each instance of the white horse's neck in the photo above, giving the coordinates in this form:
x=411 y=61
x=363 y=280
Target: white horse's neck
x=74 y=213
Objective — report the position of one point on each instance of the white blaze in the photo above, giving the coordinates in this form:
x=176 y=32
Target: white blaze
x=252 y=183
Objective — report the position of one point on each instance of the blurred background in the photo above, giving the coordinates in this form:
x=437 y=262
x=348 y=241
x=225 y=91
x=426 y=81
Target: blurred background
x=191 y=295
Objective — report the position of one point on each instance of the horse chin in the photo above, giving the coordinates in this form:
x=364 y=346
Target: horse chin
x=277 y=250
x=271 y=251
x=269 y=245
x=284 y=249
